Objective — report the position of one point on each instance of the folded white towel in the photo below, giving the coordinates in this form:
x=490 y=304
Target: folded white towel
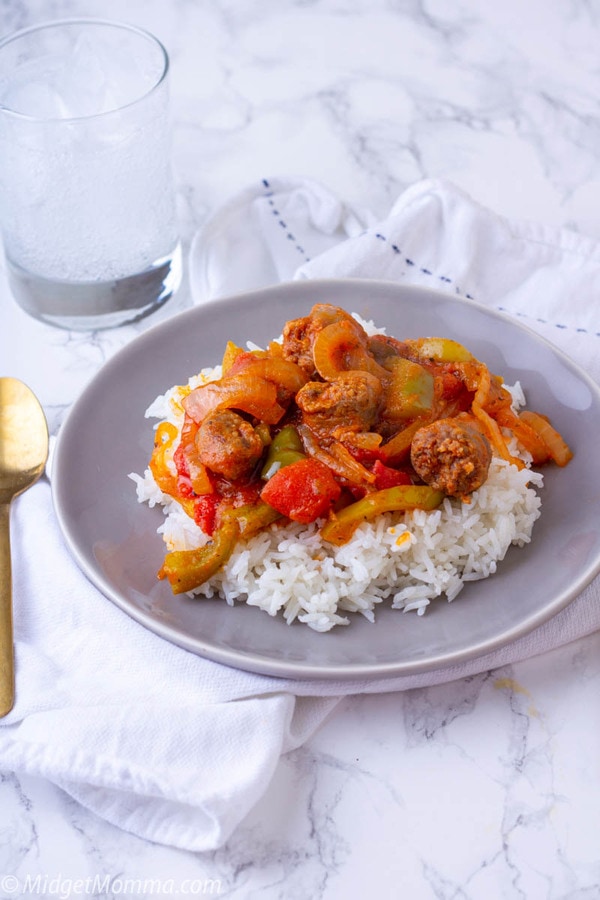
x=173 y=747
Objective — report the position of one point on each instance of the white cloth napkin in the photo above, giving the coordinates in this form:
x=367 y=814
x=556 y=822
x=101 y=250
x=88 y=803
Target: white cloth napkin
x=170 y=746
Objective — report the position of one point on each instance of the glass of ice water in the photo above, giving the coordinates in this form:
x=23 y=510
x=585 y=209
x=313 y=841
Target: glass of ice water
x=87 y=205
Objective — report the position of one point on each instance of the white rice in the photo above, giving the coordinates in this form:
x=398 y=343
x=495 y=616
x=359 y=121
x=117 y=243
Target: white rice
x=404 y=559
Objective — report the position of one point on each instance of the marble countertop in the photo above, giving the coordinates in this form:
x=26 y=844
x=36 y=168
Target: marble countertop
x=481 y=788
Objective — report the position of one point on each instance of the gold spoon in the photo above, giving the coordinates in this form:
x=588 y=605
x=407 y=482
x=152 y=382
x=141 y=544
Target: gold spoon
x=23 y=455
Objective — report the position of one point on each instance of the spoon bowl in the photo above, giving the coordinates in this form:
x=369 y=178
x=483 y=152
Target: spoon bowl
x=23 y=455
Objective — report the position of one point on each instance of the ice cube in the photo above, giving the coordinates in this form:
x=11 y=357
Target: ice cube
x=102 y=76
x=91 y=74
x=29 y=91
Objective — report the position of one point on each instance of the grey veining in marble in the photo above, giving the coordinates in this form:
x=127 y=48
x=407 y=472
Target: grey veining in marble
x=482 y=789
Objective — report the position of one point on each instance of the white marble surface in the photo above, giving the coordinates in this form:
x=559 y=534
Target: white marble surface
x=484 y=788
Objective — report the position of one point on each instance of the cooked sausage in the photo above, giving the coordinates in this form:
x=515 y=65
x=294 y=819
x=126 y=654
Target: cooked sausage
x=228 y=445
x=299 y=334
x=350 y=403
x=451 y=455
x=298 y=338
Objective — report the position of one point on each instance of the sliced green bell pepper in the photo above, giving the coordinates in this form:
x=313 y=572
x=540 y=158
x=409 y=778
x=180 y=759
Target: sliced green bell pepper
x=442 y=350
x=285 y=448
x=253 y=517
x=188 y=569
x=341 y=526
x=410 y=392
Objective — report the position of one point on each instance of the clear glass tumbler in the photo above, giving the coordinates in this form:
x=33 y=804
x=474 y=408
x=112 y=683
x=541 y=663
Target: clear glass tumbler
x=87 y=203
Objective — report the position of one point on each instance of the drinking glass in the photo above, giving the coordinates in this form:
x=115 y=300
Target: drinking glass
x=87 y=204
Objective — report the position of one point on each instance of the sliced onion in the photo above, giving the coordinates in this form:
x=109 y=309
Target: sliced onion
x=525 y=434
x=488 y=425
x=337 y=457
x=558 y=449
x=252 y=395
x=342 y=346
x=280 y=371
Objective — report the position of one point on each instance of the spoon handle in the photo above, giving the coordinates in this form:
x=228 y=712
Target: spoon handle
x=7 y=662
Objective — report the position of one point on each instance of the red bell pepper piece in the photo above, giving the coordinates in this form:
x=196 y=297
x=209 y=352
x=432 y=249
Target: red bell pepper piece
x=386 y=476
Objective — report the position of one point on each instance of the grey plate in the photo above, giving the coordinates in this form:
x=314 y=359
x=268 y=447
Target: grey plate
x=114 y=540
